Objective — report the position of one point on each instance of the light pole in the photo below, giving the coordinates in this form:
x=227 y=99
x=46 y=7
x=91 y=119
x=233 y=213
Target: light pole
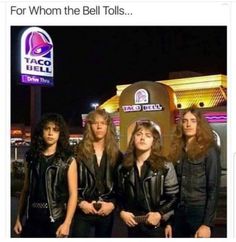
x=94 y=105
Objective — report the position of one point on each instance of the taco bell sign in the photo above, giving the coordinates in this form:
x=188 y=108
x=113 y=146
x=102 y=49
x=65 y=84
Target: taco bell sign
x=36 y=57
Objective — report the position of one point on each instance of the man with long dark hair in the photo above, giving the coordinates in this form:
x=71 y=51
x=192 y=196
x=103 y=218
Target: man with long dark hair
x=97 y=157
x=49 y=195
x=197 y=160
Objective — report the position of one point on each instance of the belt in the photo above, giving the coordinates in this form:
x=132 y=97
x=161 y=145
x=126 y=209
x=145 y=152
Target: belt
x=39 y=205
x=142 y=219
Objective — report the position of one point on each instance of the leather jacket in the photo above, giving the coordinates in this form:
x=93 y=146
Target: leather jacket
x=199 y=183
x=160 y=189
x=87 y=181
x=56 y=185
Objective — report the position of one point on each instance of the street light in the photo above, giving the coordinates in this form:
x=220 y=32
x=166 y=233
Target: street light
x=94 y=105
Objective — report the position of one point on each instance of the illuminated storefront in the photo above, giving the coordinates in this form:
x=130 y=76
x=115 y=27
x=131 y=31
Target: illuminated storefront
x=161 y=102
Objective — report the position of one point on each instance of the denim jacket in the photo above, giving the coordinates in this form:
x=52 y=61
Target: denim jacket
x=199 y=182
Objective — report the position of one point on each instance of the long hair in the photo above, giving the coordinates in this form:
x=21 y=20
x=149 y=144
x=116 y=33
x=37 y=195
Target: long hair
x=201 y=142
x=156 y=160
x=38 y=145
x=85 y=149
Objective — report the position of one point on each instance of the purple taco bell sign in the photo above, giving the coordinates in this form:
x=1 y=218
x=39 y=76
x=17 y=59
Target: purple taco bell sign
x=36 y=57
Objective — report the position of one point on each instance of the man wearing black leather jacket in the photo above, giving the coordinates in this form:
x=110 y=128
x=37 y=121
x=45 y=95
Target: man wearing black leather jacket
x=97 y=158
x=198 y=171
x=147 y=183
x=49 y=195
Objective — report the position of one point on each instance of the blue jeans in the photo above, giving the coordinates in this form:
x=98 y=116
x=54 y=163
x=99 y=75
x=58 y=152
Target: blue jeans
x=187 y=220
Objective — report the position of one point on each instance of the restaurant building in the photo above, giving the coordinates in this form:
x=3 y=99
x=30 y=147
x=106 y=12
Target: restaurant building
x=162 y=101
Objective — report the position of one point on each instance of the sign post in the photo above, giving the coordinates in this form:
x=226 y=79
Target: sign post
x=36 y=67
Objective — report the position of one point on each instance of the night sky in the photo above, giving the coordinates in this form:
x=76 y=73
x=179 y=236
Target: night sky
x=90 y=61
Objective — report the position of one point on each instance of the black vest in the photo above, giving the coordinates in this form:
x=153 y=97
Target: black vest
x=56 y=184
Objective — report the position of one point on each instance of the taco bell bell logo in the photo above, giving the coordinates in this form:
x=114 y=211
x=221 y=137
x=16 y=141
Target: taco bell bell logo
x=36 y=57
